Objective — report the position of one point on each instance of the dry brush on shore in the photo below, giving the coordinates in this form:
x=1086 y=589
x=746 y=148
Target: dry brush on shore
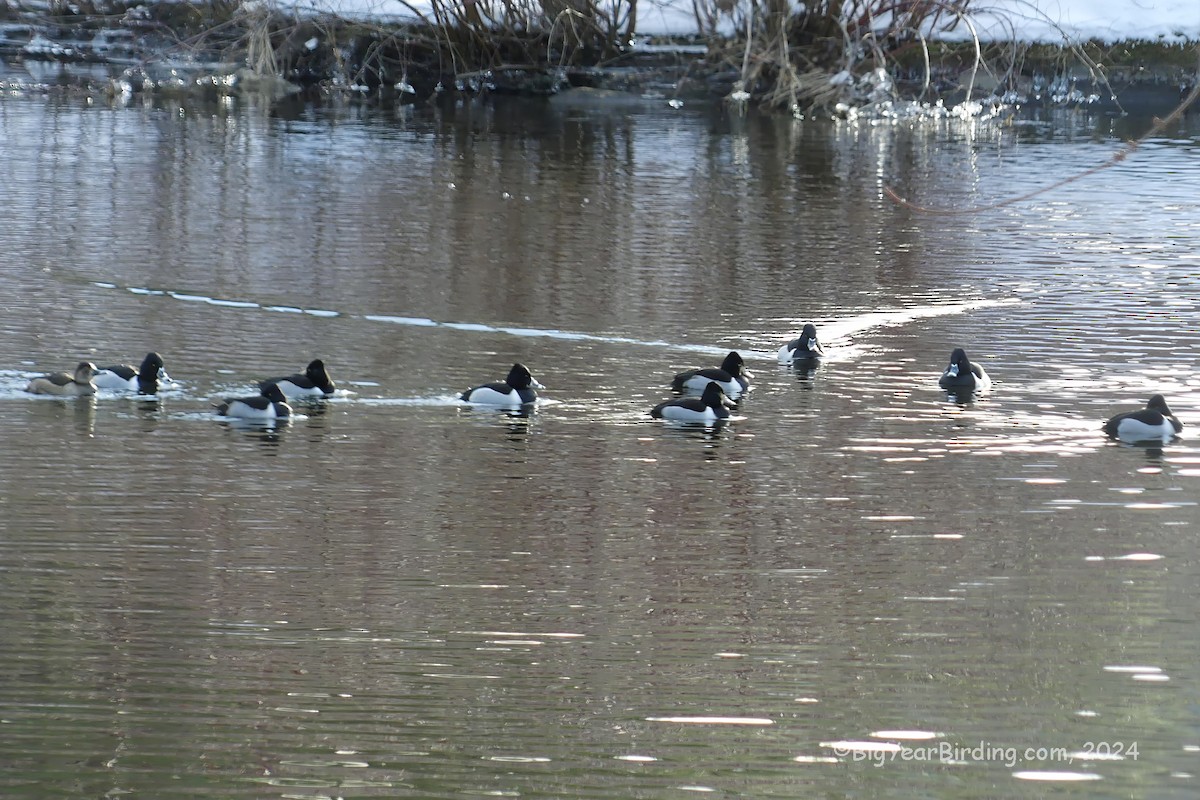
x=774 y=53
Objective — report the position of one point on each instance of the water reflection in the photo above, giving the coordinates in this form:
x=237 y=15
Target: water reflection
x=269 y=433
x=805 y=373
x=53 y=411
x=711 y=436
x=85 y=414
x=310 y=407
x=518 y=415
x=964 y=397
x=150 y=410
x=516 y=423
x=1152 y=449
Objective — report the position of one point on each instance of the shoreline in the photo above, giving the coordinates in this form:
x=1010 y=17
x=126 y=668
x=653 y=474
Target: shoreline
x=331 y=57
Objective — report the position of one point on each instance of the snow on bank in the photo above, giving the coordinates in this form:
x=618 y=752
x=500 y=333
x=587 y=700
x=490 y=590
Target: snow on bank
x=1050 y=21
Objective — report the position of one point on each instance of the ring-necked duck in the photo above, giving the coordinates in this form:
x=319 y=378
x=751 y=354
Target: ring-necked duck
x=963 y=374
x=315 y=382
x=1155 y=421
x=517 y=389
x=804 y=350
x=143 y=379
x=65 y=385
x=732 y=376
x=710 y=406
x=269 y=405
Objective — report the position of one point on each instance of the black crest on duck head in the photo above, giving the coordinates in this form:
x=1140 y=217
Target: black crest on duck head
x=519 y=377
x=713 y=395
x=151 y=364
x=273 y=393
x=733 y=363
x=316 y=372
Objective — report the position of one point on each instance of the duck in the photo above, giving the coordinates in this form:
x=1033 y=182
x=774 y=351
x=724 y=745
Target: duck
x=963 y=374
x=268 y=406
x=315 y=382
x=1155 y=421
x=143 y=379
x=709 y=407
x=732 y=376
x=64 y=384
x=805 y=350
x=518 y=389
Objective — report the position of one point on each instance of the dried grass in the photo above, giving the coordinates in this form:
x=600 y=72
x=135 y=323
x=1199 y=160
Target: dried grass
x=788 y=56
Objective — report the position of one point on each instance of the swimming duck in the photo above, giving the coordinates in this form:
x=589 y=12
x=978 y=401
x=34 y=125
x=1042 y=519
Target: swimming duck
x=732 y=376
x=269 y=405
x=517 y=389
x=804 y=350
x=963 y=374
x=315 y=382
x=64 y=385
x=710 y=406
x=143 y=379
x=1155 y=421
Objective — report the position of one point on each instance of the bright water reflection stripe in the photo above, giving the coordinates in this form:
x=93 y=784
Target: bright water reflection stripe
x=1130 y=557
x=1051 y=775
x=836 y=329
x=550 y=333
x=902 y=734
x=831 y=330
x=548 y=635
x=714 y=720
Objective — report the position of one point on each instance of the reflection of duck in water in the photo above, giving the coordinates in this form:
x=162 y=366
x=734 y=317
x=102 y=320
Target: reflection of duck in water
x=732 y=376
x=518 y=389
x=315 y=382
x=804 y=351
x=143 y=379
x=964 y=375
x=1154 y=422
x=65 y=385
x=708 y=407
x=268 y=406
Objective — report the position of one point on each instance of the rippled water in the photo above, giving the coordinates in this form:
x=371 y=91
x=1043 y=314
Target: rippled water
x=858 y=587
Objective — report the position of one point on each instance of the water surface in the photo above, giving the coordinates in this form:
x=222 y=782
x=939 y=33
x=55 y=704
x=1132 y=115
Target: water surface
x=858 y=586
